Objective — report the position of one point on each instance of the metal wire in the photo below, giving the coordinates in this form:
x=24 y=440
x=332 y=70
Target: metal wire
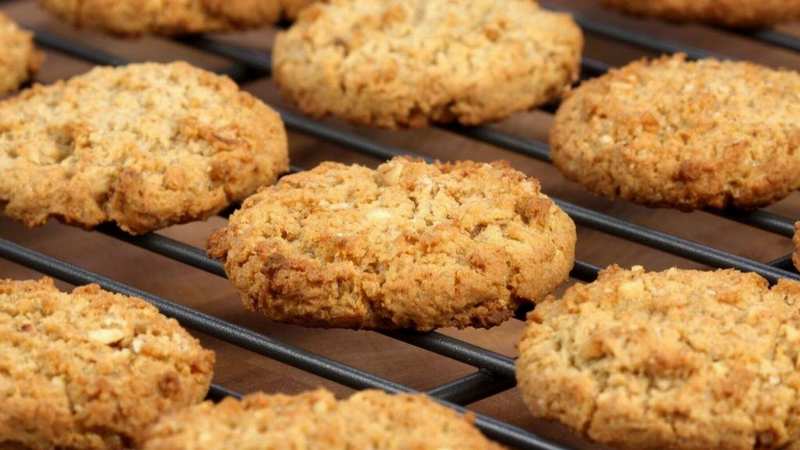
x=495 y=372
x=772 y=37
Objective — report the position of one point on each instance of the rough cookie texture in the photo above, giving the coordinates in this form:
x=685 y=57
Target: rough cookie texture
x=90 y=369
x=406 y=63
x=681 y=134
x=409 y=245
x=732 y=13
x=680 y=359
x=145 y=146
x=19 y=59
x=315 y=420
x=172 y=17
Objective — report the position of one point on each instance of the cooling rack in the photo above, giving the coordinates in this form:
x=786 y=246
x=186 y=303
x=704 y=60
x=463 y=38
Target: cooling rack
x=492 y=373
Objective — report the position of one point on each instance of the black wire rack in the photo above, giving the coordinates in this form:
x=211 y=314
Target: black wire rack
x=493 y=372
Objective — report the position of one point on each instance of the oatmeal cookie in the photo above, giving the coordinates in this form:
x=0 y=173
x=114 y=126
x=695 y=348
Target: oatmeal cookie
x=89 y=369
x=315 y=420
x=407 y=63
x=172 y=17
x=730 y=13
x=145 y=146
x=409 y=245
x=680 y=359
x=688 y=135
x=19 y=59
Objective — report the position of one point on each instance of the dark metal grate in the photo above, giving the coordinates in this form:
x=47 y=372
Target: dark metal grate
x=494 y=372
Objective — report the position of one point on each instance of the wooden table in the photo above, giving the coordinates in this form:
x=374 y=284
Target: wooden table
x=243 y=371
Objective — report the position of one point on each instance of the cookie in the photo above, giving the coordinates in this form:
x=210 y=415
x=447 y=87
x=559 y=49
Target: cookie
x=408 y=63
x=172 y=17
x=408 y=245
x=316 y=420
x=19 y=59
x=680 y=359
x=145 y=146
x=688 y=135
x=90 y=369
x=730 y=13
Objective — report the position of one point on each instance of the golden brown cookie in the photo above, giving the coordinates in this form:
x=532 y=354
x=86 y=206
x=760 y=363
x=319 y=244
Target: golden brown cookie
x=172 y=17
x=89 y=369
x=407 y=63
x=409 y=245
x=680 y=359
x=316 y=420
x=731 y=13
x=145 y=146
x=688 y=135
x=19 y=59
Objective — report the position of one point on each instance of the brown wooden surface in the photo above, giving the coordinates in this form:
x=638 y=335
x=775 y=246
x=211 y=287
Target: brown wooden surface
x=245 y=371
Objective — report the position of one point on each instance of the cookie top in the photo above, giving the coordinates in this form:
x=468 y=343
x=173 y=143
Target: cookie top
x=90 y=369
x=145 y=146
x=314 y=420
x=19 y=59
x=731 y=13
x=407 y=63
x=674 y=133
x=172 y=17
x=409 y=245
x=679 y=359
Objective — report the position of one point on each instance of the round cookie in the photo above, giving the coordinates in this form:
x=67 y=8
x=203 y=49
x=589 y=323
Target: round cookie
x=90 y=369
x=730 y=13
x=315 y=420
x=409 y=245
x=19 y=59
x=172 y=17
x=407 y=63
x=145 y=146
x=688 y=135
x=679 y=360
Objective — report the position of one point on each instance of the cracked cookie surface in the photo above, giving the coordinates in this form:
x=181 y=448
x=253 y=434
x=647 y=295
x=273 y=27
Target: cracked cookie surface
x=315 y=420
x=402 y=63
x=408 y=245
x=19 y=59
x=732 y=13
x=172 y=17
x=688 y=135
x=679 y=359
x=145 y=146
x=90 y=369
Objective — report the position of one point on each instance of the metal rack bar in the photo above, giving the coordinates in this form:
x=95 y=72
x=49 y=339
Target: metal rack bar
x=762 y=219
x=772 y=37
x=784 y=262
x=677 y=246
x=217 y=393
x=643 y=41
x=472 y=388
